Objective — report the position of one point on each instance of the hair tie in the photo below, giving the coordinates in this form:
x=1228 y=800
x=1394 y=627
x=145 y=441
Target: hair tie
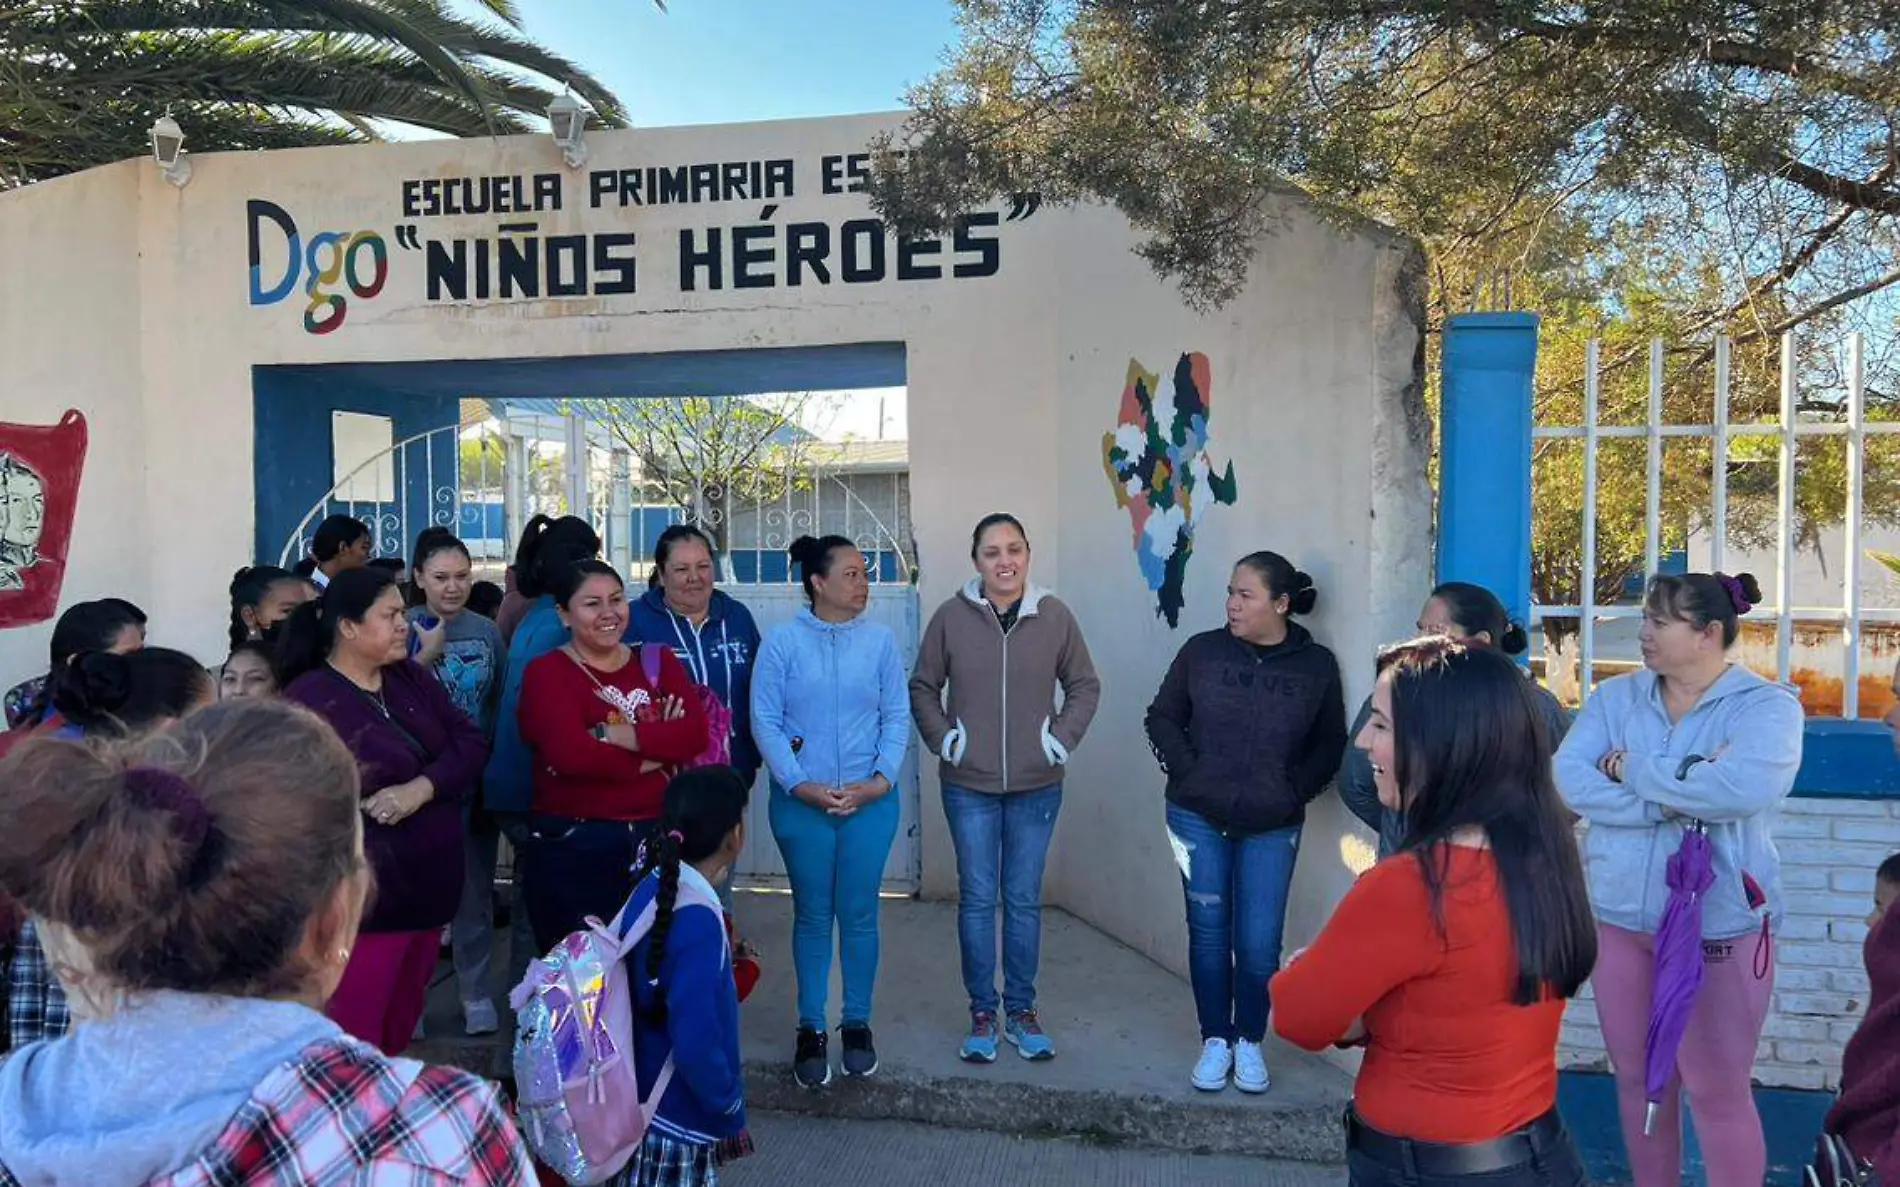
x=170 y=792
x=677 y=837
x=1736 y=596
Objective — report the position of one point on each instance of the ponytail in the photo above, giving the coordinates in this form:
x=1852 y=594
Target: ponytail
x=306 y=639
x=104 y=692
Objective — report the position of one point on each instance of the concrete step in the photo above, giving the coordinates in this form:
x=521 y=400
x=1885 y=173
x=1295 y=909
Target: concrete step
x=1124 y=1026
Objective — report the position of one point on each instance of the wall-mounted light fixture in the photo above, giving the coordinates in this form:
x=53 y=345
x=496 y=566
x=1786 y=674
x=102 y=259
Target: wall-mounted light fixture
x=568 y=121
x=168 y=149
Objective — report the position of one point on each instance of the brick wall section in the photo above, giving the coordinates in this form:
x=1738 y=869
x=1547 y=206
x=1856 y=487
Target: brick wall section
x=1829 y=851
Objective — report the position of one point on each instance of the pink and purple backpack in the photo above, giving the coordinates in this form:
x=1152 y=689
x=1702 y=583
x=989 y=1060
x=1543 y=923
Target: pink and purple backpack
x=718 y=750
x=578 y=1094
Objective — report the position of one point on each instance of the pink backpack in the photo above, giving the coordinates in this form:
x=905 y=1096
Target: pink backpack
x=718 y=750
x=579 y=1098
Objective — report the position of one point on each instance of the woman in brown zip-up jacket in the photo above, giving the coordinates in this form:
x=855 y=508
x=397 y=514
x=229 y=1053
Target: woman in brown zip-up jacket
x=999 y=650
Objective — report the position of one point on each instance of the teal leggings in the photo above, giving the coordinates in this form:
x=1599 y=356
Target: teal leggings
x=836 y=864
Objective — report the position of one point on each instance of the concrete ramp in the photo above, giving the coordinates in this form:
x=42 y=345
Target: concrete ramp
x=1123 y=1025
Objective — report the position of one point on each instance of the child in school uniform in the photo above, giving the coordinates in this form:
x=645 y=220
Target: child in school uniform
x=686 y=1004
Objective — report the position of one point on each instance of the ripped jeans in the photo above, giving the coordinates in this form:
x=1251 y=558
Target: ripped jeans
x=1236 y=886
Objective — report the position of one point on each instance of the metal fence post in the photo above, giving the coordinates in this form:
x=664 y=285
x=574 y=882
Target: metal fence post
x=1484 y=503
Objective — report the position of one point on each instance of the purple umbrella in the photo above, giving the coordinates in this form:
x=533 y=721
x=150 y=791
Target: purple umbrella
x=1678 y=962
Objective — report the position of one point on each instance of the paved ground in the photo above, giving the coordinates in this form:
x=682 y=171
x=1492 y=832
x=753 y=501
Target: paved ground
x=1125 y=1027
x=892 y=1154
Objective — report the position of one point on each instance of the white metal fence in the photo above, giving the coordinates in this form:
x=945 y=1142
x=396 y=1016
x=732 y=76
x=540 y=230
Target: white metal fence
x=485 y=480
x=1787 y=429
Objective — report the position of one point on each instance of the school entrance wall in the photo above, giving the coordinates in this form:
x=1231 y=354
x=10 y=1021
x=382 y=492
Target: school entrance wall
x=1050 y=374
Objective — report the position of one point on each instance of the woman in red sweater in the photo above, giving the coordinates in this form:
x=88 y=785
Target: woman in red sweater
x=605 y=742
x=1451 y=960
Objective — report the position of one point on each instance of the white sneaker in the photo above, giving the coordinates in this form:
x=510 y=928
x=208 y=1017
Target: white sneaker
x=1250 y=1068
x=1217 y=1060
x=479 y=1018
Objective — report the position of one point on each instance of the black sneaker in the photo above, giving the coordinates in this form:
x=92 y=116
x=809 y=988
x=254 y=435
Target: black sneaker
x=811 y=1067
x=860 y=1053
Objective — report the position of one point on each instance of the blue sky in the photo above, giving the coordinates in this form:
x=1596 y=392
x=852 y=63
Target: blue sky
x=730 y=61
x=726 y=61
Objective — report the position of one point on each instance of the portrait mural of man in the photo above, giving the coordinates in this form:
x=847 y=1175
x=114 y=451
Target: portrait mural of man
x=40 y=468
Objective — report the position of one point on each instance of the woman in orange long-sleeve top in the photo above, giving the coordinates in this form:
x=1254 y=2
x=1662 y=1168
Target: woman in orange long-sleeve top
x=1451 y=960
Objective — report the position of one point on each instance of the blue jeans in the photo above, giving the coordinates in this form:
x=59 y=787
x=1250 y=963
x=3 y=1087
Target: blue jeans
x=1236 y=886
x=1002 y=842
x=836 y=865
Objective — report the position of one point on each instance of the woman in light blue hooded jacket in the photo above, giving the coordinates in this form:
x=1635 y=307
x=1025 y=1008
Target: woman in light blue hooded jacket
x=1692 y=742
x=831 y=715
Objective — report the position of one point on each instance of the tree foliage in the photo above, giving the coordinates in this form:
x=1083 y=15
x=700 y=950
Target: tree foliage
x=714 y=456
x=1467 y=123
x=1628 y=168
x=81 y=81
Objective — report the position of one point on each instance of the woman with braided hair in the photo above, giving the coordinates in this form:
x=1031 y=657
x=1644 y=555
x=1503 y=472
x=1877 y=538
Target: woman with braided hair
x=686 y=1005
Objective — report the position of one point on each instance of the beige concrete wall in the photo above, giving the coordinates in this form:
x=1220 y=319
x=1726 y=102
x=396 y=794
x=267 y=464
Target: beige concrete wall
x=70 y=337
x=1316 y=398
x=1013 y=379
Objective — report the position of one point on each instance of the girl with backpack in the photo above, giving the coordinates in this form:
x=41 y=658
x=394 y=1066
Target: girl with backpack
x=685 y=1002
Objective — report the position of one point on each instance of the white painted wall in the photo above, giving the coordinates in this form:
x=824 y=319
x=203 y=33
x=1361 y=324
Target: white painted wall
x=70 y=335
x=1012 y=381
x=1311 y=368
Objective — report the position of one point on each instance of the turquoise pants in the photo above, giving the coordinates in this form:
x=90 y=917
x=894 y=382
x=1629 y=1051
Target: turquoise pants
x=836 y=865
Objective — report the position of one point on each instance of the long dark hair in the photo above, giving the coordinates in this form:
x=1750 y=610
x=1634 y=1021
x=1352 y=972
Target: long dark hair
x=813 y=556
x=1471 y=749
x=549 y=546
x=103 y=692
x=663 y=548
x=306 y=639
x=701 y=808
x=1474 y=608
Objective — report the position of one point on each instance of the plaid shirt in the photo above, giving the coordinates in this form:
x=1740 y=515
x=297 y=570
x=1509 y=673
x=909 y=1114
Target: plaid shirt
x=36 y=1005
x=345 y=1114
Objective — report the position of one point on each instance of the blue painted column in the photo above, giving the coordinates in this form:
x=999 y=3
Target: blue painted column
x=1484 y=483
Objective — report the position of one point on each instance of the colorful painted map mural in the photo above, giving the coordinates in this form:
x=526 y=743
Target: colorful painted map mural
x=1158 y=464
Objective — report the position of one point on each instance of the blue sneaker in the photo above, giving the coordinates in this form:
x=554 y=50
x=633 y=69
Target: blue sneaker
x=1025 y=1034
x=980 y=1045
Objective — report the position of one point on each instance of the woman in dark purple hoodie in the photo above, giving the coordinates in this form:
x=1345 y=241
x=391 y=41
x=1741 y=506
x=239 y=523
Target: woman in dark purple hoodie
x=345 y=657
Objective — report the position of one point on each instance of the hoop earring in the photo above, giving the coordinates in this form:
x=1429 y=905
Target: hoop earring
x=340 y=957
